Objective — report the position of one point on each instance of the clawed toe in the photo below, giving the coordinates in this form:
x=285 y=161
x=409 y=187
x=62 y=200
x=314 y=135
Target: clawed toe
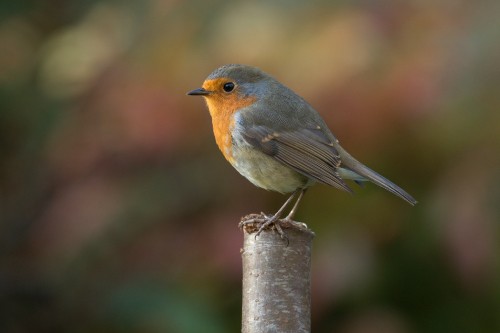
x=259 y=222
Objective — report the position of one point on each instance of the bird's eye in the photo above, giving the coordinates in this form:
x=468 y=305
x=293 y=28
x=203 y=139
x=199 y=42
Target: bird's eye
x=228 y=87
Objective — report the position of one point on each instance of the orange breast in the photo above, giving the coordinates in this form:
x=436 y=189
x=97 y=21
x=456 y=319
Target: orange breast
x=222 y=108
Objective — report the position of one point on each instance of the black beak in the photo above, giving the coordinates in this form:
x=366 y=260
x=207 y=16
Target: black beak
x=199 y=92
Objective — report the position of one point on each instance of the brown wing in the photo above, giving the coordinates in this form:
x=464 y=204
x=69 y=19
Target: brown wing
x=307 y=151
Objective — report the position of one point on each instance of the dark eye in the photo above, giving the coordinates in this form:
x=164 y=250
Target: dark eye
x=228 y=87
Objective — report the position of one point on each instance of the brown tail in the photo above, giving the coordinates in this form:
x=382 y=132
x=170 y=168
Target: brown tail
x=354 y=165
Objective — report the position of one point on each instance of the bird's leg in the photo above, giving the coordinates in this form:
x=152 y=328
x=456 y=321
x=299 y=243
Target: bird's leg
x=280 y=211
x=289 y=218
x=275 y=219
x=296 y=205
x=264 y=222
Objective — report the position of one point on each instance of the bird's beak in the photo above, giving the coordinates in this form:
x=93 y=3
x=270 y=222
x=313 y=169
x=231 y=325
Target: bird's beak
x=199 y=92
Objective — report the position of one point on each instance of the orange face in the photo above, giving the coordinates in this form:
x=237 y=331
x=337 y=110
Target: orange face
x=222 y=106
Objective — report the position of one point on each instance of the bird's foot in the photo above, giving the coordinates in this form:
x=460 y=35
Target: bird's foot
x=259 y=222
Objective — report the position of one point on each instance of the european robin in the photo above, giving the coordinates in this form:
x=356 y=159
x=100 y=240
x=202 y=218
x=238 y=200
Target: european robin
x=275 y=139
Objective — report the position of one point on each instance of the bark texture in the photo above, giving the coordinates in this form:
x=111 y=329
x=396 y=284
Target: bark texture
x=277 y=280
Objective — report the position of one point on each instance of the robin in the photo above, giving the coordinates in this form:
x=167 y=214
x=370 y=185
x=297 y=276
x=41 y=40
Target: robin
x=276 y=140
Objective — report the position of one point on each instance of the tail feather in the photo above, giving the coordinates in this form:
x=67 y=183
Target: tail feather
x=356 y=166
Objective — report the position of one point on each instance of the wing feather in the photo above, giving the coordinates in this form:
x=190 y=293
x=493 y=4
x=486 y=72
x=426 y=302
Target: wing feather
x=306 y=151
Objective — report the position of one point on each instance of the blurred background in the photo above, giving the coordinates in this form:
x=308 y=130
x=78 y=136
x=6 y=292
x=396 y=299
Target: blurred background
x=119 y=214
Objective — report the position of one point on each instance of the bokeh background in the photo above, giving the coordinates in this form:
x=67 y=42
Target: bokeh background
x=119 y=214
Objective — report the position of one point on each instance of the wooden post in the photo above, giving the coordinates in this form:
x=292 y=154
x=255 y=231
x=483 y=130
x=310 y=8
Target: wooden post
x=277 y=279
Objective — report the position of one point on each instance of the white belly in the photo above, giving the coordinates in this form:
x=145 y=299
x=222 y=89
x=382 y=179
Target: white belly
x=264 y=171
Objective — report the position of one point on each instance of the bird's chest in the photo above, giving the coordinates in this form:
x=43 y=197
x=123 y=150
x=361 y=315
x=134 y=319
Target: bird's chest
x=225 y=116
x=223 y=126
x=259 y=168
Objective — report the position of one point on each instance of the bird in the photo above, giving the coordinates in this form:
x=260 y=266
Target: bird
x=277 y=140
